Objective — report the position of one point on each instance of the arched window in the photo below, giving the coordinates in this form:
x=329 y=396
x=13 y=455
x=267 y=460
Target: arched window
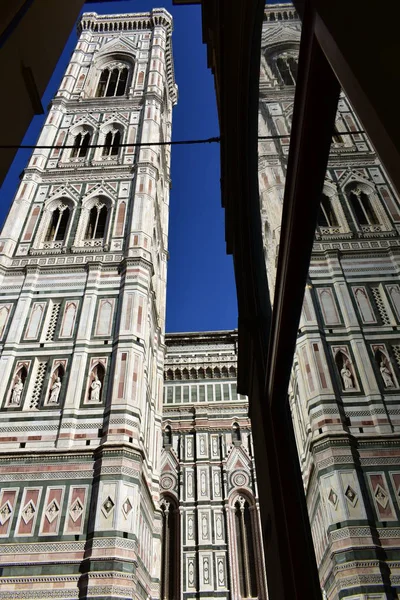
x=80 y=145
x=167 y=436
x=112 y=82
x=170 y=568
x=362 y=207
x=236 y=435
x=326 y=216
x=287 y=67
x=58 y=224
x=112 y=142
x=96 y=226
x=245 y=549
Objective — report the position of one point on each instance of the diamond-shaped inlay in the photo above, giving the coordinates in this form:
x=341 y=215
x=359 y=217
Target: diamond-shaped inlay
x=381 y=496
x=351 y=495
x=5 y=512
x=76 y=510
x=28 y=512
x=107 y=507
x=52 y=511
x=127 y=507
x=333 y=498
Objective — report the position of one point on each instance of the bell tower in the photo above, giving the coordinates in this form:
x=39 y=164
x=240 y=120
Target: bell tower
x=82 y=317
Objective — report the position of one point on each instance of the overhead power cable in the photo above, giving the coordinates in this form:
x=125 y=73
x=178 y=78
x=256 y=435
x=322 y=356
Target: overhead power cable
x=211 y=140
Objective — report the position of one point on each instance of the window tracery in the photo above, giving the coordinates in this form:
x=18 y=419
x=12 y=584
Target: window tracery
x=55 y=225
x=93 y=230
x=81 y=144
x=244 y=535
x=97 y=221
x=362 y=207
x=58 y=224
x=286 y=64
x=112 y=81
x=111 y=143
x=327 y=216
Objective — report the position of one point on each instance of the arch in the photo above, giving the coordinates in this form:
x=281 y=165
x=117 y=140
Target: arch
x=245 y=545
x=79 y=138
x=113 y=78
x=170 y=549
x=178 y=374
x=55 y=385
x=360 y=198
x=104 y=318
x=326 y=215
x=385 y=368
x=345 y=370
x=287 y=68
x=68 y=321
x=22 y=373
x=236 y=434
x=364 y=305
x=193 y=373
x=18 y=386
x=93 y=226
x=169 y=375
x=80 y=145
x=232 y=372
x=185 y=374
x=54 y=229
x=110 y=139
x=167 y=436
x=225 y=372
x=95 y=391
x=96 y=225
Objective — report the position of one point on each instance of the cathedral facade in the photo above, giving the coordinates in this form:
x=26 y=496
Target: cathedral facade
x=344 y=392
x=212 y=546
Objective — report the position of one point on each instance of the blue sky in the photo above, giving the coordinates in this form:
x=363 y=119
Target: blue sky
x=201 y=291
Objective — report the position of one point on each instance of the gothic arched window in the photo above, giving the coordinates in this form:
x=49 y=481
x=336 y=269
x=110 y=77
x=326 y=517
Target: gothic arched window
x=236 y=435
x=167 y=436
x=112 y=82
x=245 y=549
x=112 y=142
x=287 y=68
x=362 y=207
x=170 y=568
x=80 y=145
x=96 y=226
x=58 y=224
x=327 y=216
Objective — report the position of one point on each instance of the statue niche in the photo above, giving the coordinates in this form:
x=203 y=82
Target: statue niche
x=96 y=381
x=346 y=372
x=55 y=386
x=17 y=387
